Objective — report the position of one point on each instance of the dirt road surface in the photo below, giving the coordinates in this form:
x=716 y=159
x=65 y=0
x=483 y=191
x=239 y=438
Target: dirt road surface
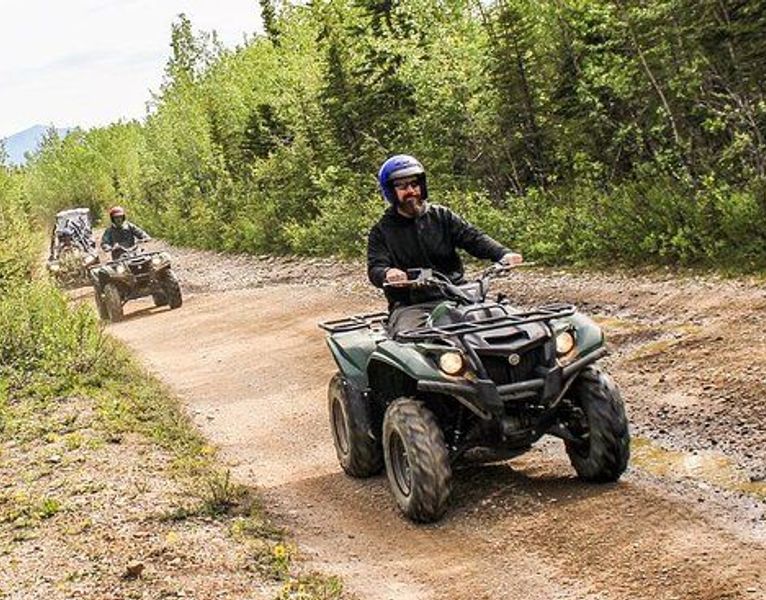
x=685 y=522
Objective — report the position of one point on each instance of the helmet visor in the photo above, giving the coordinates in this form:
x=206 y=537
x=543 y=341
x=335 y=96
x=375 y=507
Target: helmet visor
x=406 y=172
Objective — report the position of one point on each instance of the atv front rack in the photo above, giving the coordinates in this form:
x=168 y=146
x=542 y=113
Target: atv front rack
x=543 y=313
x=355 y=322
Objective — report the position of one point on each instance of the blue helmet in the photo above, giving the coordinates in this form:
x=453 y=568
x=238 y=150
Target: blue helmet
x=396 y=167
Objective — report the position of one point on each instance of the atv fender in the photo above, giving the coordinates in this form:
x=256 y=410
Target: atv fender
x=351 y=358
x=407 y=359
x=588 y=335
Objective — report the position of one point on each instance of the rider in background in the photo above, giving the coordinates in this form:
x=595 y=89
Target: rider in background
x=121 y=234
x=415 y=234
x=61 y=241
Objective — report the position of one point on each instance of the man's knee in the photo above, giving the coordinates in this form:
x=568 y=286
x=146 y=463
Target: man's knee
x=406 y=318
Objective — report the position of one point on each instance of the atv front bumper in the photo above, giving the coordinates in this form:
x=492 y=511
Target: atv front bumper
x=487 y=400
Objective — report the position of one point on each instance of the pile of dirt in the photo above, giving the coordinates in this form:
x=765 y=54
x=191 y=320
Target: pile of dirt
x=207 y=272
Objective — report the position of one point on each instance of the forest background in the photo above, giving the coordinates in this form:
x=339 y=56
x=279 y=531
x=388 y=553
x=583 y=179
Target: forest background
x=606 y=133
x=574 y=131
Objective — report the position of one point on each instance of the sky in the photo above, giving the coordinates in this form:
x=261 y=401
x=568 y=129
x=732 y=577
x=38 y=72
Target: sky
x=88 y=63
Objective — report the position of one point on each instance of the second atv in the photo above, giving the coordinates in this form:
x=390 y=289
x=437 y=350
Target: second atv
x=135 y=274
x=72 y=252
x=480 y=374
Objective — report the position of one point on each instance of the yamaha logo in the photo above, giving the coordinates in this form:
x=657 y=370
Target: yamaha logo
x=514 y=359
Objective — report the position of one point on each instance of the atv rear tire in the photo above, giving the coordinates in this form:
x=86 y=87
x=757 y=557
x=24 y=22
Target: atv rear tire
x=113 y=303
x=172 y=289
x=603 y=457
x=359 y=453
x=100 y=306
x=417 y=461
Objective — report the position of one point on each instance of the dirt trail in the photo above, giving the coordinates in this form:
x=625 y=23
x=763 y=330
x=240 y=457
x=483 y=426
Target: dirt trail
x=252 y=367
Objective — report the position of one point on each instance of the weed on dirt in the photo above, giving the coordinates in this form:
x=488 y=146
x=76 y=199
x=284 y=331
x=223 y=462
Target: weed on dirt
x=108 y=491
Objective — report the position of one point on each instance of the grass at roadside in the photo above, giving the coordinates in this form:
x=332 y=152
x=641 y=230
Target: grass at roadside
x=106 y=488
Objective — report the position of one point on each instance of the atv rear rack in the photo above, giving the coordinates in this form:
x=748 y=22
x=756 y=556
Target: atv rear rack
x=354 y=322
x=509 y=319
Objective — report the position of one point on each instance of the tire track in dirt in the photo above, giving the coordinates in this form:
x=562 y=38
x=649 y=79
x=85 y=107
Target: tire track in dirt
x=252 y=367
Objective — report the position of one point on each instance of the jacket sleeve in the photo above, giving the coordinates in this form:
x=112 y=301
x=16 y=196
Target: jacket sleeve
x=378 y=257
x=106 y=239
x=473 y=240
x=139 y=233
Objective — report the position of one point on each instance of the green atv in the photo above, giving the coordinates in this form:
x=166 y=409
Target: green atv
x=134 y=274
x=481 y=376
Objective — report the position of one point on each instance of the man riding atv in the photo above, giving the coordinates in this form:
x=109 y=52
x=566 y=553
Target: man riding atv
x=132 y=273
x=415 y=234
x=450 y=370
x=121 y=234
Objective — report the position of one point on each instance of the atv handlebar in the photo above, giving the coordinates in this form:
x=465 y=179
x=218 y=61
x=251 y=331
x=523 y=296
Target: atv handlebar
x=133 y=248
x=430 y=278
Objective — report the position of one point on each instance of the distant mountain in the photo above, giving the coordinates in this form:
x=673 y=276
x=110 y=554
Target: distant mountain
x=28 y=140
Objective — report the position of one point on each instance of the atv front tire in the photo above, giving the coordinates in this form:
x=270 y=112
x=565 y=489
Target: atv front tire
x=603 y=455
x=359 y=453
x=160 y=299
x=417 y=461
x=113 y=303
x=100 y=306
x=172 y=289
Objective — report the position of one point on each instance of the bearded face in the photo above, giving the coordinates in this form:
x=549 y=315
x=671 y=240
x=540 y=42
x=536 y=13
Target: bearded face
x=409 y=201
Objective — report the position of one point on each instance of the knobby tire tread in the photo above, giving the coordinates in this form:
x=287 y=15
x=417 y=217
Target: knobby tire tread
x=609 y=448
x=428 y=457
x=365 y=455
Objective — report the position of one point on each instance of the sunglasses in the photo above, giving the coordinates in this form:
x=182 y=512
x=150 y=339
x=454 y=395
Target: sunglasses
x=403 y=185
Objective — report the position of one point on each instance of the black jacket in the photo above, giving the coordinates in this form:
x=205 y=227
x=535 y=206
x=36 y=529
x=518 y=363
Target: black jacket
x=428 y=241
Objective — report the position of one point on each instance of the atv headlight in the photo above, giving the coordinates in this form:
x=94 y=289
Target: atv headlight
x=565 y=343
x=157 y=260
x=54 y=267
x=120 y=269
x=452 y=363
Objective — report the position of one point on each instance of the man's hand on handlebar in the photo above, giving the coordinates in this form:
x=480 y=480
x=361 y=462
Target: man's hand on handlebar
x=396 y=277
x=511 y=259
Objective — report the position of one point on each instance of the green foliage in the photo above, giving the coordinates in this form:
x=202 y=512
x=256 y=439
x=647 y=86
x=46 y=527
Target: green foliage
x=22 y=510
x=656 y=220
x=17 y=244
x=347 y=206
x=96 y=170
x=41 y=337
x=575 y=131
x=46 y=348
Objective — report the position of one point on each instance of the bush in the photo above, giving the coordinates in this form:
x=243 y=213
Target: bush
x=347 y=207
x=42 y=338
x=651 y=221
x=17 y=244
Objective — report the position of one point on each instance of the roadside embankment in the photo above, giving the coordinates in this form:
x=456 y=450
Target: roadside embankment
x=107 y=490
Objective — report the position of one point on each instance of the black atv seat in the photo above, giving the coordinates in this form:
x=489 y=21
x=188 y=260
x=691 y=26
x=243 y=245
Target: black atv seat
x=469 y=314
